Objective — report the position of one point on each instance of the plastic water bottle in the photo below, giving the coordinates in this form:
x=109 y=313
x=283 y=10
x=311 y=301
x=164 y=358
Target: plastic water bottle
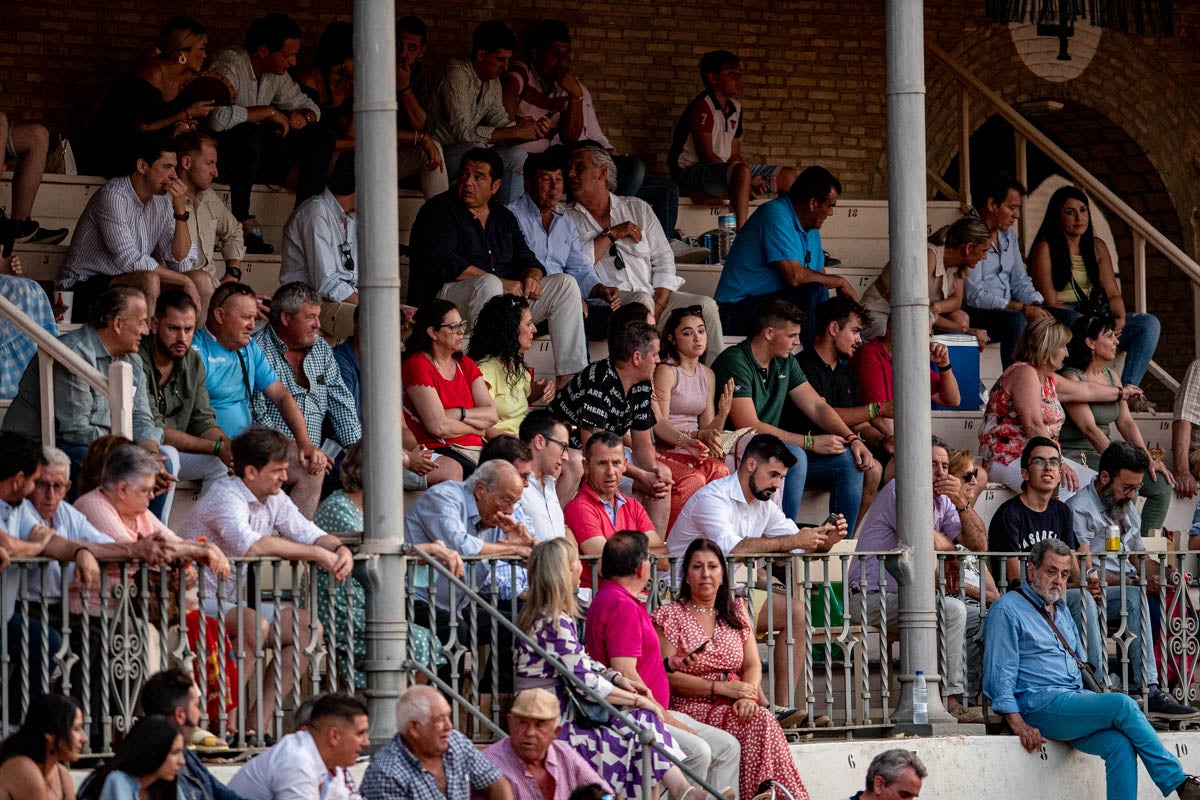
x=921 y=700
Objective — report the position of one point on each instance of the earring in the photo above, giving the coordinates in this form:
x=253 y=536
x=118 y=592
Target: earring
x=182 y=59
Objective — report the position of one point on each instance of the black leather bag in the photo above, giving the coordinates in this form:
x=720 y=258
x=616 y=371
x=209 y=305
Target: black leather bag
x=581 y=709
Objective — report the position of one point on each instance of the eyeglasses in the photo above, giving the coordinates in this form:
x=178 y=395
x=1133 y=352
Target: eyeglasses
x=563 y=445
x=58 y=487
x=970 y=476
x=618 y=261
x=1045 y=463
x=458 y=327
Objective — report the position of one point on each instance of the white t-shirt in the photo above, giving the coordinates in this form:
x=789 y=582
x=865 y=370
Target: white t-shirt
x=291 y=770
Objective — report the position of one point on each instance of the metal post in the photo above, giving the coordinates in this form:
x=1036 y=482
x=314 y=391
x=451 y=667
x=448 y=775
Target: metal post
x=910 y=316
x=379 y=328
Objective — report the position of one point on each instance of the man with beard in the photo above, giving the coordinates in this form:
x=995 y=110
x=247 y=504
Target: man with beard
x=134 y=232
x=212 y=225
x=879 y=597
x=194 y=444
x=737 y=514
x=1036 y=685
x=1108 y=500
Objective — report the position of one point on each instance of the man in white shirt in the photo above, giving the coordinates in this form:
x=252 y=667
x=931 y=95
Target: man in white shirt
x=320 y=248
x=268 y=127
x=737 y=514
x=314 y=762
x=241 y=515
x=626 y=243
x=548 y=440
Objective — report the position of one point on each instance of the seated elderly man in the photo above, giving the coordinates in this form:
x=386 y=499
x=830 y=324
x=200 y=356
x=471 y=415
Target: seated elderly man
x=246 y=515
x=537 y=764
x=313 y=762
x=738 y=514
x=320 y=248
x=1030 y=673
x=304 y=363
x=134 y=232
x=879 y=532
x=236 y=371
x=468 y=248
x=633 y=260
x=427 y=758
x=81 y=414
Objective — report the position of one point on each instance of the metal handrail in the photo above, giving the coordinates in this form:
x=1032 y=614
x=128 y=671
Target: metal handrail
x=646 y=736
x=117 y=385
x=1143 y=231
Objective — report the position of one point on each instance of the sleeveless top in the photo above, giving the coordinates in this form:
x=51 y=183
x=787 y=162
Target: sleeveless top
x=1001 y=438
x=689 y=398
x=1072 y=439
x=1067 y=294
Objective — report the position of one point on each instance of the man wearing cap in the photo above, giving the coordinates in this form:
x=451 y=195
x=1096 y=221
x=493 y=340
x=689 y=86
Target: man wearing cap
x=539 y=765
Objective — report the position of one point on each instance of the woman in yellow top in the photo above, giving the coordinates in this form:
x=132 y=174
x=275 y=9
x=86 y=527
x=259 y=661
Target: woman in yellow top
x=1074 y=272
x=503 y=334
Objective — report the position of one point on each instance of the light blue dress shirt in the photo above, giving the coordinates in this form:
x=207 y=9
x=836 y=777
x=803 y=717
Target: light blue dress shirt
x=1001 y=276
x=559 y=248
x=1024 y=664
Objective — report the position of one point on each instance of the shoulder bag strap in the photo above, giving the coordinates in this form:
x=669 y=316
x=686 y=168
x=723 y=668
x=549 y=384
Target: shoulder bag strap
x=1050 y=621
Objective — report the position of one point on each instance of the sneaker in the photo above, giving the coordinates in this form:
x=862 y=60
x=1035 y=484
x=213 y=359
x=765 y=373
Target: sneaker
x=969 y=716
x=1163 y=705
x=256 y=246
x=49 y=236
x=1189 y=789
x=25 y=229
x=830 y=261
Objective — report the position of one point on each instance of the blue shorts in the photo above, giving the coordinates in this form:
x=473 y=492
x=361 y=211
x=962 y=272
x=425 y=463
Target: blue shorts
x=713 y=179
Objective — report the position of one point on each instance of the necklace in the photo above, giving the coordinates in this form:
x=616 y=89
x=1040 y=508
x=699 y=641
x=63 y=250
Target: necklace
x=701 y=609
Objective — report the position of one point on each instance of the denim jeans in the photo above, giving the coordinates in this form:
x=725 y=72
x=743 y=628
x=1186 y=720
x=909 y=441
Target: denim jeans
x=838 y=474
x=44 y=642
x=1002 y=326
x=1139 y=339
x=1113 y=727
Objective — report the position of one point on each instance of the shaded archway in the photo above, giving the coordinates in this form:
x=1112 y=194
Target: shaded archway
x=1107 y=151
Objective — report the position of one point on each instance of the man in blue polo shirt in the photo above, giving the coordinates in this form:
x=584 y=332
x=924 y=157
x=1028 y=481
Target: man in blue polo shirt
x=778 y=254
x=235 y=367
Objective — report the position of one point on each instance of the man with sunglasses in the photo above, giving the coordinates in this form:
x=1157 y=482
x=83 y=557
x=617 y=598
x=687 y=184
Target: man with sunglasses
x=1109 y=500
x=320 y=248
x=468 y=248
x=625 y=241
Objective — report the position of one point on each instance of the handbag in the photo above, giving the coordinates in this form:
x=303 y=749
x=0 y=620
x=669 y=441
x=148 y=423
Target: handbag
x=581 y=709
x=1093 y=303
x=1086 y=672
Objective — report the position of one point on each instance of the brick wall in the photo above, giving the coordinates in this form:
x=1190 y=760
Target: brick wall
x=814 y=77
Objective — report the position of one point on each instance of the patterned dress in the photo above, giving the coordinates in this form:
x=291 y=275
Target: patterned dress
x=348 y=617
x=765 y=751
x=613 y=750
x=1002 y=438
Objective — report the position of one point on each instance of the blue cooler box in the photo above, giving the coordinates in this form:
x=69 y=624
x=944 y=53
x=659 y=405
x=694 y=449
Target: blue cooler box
x=964 y=358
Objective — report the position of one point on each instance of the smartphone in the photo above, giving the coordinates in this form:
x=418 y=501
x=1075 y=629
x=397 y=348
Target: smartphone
x=699 y=649
x=832 y=519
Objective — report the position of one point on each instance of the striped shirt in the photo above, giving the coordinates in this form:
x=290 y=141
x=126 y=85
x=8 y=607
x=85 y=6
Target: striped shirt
x=118 y=234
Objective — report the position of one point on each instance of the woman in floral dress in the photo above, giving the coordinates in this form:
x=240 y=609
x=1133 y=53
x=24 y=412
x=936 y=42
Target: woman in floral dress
x=715 y=671
x=549 y=617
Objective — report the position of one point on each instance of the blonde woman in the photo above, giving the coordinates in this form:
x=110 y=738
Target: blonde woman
x=952 y=252
x=549 y=618
x=1026 y=401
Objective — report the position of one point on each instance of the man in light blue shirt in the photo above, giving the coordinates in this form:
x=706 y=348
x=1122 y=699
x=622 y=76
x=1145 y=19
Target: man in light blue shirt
x=998 y=293
x=477 y=517
x=1035 y=683
x=778 y=253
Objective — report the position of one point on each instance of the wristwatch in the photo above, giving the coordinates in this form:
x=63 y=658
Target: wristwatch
x=184 y=217
x=234 y=273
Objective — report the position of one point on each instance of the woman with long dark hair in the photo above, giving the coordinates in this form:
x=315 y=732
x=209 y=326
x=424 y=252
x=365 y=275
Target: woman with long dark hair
x=1086 y=432
x=504 y=332
x=33 y=761
x=446 y=399
x=144 y=768
x=715 y=670
x=1074 y=272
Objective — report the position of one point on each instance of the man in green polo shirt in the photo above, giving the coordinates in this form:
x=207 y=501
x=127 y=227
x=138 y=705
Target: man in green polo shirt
x=764 y=377
x=195 y=446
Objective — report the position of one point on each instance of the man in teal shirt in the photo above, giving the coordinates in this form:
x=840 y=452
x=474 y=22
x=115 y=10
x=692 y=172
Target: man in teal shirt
x=778 y=253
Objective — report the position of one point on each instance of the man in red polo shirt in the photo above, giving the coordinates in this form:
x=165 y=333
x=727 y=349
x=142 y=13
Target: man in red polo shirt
x=621 y=635
x=600 y=510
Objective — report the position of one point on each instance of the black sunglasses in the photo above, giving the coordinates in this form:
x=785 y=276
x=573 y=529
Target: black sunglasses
x=970 y=476
x=228 y=290
x=618 y=261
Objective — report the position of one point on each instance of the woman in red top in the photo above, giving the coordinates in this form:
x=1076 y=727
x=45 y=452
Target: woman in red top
x=446 y=400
